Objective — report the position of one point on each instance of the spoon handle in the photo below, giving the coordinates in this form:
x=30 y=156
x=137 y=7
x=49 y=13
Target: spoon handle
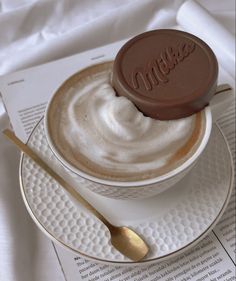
x=28 y=151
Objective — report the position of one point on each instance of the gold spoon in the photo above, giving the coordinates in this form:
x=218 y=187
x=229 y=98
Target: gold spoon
x=125 y=240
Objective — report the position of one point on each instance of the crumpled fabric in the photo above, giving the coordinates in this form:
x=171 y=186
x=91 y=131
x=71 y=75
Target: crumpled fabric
x=33 y=32
x=47 y=30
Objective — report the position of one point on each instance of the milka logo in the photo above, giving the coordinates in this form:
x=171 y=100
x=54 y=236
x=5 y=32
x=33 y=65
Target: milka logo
x=157 y=70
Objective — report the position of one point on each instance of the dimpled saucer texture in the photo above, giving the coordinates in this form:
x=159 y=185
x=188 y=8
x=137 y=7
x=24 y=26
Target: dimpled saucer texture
x=170 y=222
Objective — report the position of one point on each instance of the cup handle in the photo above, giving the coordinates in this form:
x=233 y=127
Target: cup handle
x=222 y=99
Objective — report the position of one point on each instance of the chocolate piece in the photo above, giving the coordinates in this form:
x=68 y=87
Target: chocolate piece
x=167 y=74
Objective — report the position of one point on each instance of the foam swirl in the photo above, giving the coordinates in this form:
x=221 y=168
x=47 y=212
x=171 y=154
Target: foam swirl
x=112 y=136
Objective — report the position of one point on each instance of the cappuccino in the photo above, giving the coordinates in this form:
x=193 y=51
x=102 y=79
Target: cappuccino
x=106 y=136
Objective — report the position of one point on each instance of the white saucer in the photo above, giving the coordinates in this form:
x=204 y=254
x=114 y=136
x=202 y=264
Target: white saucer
x=170 y=222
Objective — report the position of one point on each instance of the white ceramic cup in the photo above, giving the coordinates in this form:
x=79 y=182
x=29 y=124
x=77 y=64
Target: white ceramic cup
x=148 y=187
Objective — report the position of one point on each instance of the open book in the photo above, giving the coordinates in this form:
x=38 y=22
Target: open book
x=25 y=95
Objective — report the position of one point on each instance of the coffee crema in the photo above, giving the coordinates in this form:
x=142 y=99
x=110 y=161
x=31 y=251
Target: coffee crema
x=106 y=136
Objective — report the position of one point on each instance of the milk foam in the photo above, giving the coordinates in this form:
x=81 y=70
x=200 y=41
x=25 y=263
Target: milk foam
x=110 y=134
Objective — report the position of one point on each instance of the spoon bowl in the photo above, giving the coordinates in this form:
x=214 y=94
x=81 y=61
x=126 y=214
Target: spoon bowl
x=128 y=242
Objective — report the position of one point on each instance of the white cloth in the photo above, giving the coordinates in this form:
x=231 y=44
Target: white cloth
x=48 y=30
x=216 y=35
x=34 y=32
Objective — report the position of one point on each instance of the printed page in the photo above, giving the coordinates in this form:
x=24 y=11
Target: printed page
x=25 y=95
x=207 y=261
